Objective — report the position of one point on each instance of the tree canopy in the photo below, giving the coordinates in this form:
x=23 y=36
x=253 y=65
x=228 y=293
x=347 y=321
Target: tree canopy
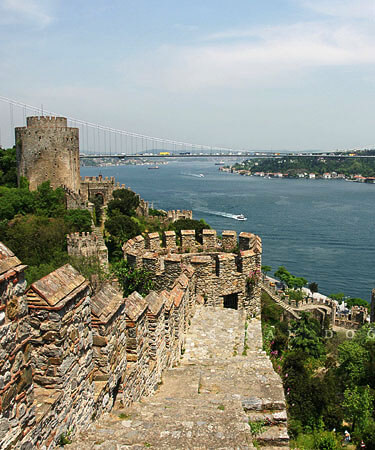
x=132 y=279
x=8 y=167
x=124 y=201
x=306 y=336
x=289 y=279
x=190 y=224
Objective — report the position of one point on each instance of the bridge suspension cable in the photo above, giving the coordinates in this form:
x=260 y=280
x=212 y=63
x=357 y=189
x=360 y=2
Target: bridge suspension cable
x=96 y=138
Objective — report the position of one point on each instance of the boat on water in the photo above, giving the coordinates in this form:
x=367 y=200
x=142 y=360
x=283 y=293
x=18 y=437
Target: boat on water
x=220 y=163
x=201 y=175
x=240 y=217
x=152 y=167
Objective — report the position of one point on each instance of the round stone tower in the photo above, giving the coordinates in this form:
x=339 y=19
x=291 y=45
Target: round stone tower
x=47 y=149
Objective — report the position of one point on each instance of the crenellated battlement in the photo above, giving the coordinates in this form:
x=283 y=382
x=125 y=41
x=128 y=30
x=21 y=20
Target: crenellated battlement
x=220 y=273
x=99 y=179
x=70 y=355
x=175 y=215
x=189 y=244
x=88 y=245
x=47 y=149
x=46 y=122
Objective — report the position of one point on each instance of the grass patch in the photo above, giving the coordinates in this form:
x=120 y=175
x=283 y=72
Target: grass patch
x=256 y=427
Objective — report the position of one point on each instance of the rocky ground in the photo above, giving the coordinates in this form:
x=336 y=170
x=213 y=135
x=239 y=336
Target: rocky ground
x=223 y=388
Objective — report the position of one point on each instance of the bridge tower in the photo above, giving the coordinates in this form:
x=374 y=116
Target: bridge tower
x=47 y=149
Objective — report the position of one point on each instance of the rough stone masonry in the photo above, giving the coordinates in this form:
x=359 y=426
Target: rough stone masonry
x=67 y=357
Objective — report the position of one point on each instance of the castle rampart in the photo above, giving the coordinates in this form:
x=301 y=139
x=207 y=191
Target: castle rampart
x=320 y=307
x=88 y=245
x=69 y=356
x=222 y=279
x=47 y=149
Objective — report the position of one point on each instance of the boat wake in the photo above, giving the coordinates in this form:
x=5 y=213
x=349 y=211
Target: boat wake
x=196 y=175
x=223 y=214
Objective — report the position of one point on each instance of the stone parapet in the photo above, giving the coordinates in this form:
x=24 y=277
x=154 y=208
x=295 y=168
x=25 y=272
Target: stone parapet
x=69 y=357
x=221 y=277
x=88 y=245
x=229 y=240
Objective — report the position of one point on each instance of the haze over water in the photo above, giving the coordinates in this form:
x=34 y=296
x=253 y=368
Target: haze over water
x=320 y=229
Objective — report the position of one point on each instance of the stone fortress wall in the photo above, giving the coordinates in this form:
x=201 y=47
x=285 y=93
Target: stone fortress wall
x=320 y=308
x=223 y=278
x=67 y=355
x=88 y=245
x=47 y=149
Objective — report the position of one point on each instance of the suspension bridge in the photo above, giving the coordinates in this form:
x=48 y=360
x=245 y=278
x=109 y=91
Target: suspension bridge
x=100 y=141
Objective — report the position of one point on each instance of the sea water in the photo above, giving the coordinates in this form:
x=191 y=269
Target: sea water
x=322 y=230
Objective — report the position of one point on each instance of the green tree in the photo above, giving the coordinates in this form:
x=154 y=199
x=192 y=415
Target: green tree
x=350 y=302
x=352 y=358
x=283 y=275
x=78 y=220
x=368 y=435
x=124 y=202
x=190 y=224
x=122 y=227
x=358 y=406
x=15 y=201
x=302 y=391
x=132 y=279
x=339 y=296
x=49 y=202
x=266 y=269
x=8 y=167
x=306 y=336
x=35 y=239
x=297 y=282
x=313 y=287
x=91 y=269
x=98 y=209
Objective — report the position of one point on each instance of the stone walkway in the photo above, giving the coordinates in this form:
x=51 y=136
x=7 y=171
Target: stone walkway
x=224 y=381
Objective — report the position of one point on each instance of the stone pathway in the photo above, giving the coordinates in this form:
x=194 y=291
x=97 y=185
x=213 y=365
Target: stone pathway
x=223 y=381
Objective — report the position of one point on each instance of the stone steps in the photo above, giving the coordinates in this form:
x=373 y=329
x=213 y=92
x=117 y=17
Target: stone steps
x=207 y=401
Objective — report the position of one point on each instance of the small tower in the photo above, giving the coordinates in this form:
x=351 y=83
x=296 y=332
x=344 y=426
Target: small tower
x=47 y=149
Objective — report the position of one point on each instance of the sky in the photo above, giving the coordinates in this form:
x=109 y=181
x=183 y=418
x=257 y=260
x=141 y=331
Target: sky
x=246 y=74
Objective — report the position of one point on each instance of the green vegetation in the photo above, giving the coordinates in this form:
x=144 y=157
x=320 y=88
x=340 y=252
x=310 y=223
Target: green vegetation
x=328 y=382
x=132 y=279
x=121 y=223
x=266 y=269
x=157 y=212
x=189 y=224
x=98 y=209
x=34 y=226
x=257 y=427
x=310 y=164
x=8 y=167
x=65 y=438
x=289 y=279
x=350 y=301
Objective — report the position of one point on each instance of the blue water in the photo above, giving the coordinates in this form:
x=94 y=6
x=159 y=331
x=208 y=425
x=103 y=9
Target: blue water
x=320 y=229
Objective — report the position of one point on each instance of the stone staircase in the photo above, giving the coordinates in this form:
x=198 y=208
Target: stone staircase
x=224 y=381
x=277 y=299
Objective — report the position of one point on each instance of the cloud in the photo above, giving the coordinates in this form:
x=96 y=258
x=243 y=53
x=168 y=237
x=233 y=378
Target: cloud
x=185 y=27
x=19 y=11
x=236 y=58
x=349 y=9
